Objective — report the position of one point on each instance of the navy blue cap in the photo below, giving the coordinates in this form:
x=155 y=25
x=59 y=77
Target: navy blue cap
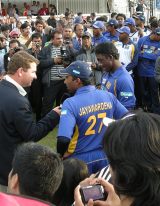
x=98 y=25
x=140 y=17
x=79 y=69
x=130 y=21
x=124 y=29
x=112 y=22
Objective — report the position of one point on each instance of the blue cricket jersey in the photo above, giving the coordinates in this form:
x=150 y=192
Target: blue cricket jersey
x=121 y=84
x=98 y=40
x=82 y=115
x=149 y=51
x=110 y=37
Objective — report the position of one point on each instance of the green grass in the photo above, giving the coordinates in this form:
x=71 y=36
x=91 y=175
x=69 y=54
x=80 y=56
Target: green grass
x=50 y=140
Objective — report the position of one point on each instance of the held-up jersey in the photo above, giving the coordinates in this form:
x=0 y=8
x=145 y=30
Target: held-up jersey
x=82 y=116
x=121 y=84
x=149 y=51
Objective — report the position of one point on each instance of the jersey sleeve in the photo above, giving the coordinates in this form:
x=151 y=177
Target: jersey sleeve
x=119 y=109
x=125 y=93
x=67 y=120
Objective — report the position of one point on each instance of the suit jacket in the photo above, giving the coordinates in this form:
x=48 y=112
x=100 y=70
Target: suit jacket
x=76 y=44
x=17 y=125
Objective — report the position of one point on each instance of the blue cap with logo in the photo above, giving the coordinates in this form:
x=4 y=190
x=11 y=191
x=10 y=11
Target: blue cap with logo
x=124 y=29
x=98 y=25
x=130 y=21
x=112 y=22
x=157 y=31
x=141 y=18
x=79 y=69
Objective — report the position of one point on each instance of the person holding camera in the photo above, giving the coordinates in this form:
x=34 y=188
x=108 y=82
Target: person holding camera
x=133 y=150
x=51 y=63
x=14 y=46
x=35 y=91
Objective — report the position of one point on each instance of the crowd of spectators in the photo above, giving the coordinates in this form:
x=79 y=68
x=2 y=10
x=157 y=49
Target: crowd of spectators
x=95 y=70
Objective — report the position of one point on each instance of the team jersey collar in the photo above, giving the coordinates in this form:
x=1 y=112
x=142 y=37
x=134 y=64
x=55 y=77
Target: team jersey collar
x=117 y=72
x=99 y=37
x=85 y=89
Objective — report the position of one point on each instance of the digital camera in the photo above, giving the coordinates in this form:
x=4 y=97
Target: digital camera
x=94 y=192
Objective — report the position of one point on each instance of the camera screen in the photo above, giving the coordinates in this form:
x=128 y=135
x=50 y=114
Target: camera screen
x=93 y=192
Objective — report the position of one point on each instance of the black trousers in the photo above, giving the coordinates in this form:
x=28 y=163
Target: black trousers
x=150 y=94
x=35 y=97
x=52 y=93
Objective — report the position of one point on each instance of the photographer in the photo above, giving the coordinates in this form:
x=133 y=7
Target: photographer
x=35 y=93
x=51 y=62
x=14 y=46
x=36 y=44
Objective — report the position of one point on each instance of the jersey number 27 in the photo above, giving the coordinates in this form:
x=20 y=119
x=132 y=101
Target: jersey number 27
x=93 y=120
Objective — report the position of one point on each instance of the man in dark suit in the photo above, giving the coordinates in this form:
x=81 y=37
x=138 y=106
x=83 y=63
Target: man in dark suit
x=77 y=40
x=16 y=117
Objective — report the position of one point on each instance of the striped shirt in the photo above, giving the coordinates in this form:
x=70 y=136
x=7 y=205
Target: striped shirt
x=105 y=174
x=57 y=72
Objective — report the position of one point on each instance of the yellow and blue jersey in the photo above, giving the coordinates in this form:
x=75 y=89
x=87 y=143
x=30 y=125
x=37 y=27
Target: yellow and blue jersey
x=82 y=116
x=121 y=84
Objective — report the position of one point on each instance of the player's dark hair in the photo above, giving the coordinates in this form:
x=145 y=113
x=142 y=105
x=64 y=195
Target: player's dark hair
x=85 y=82
x=132 y=146
x=107 y=48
